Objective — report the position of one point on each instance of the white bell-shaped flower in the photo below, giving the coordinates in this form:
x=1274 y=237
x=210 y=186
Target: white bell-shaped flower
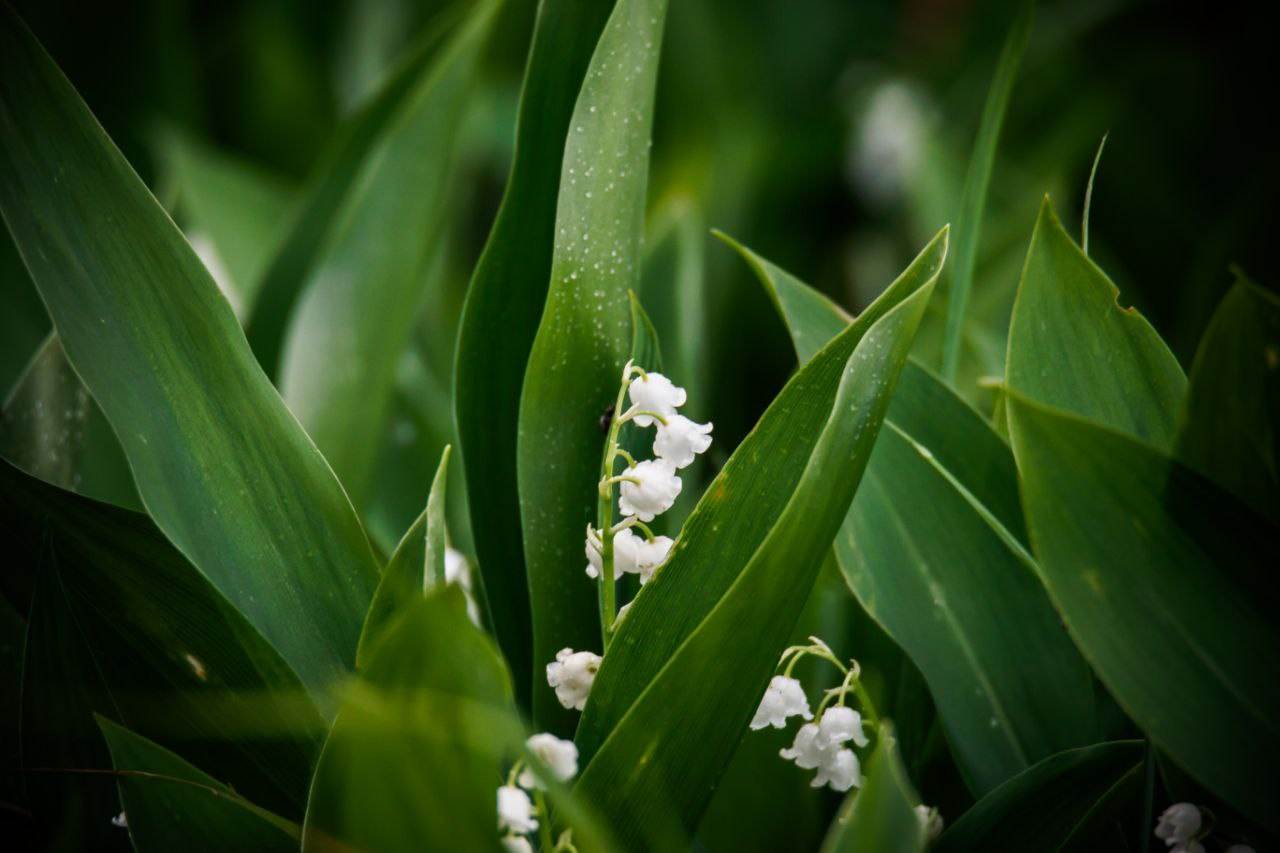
x=654 y=392
x=572 y=674
x=680 y=440
x=650 y=489
x=782 y=699
x=650 y=555
x=515 y=811
x=840 y=771
x=810 y=749
x=931 y=820
x=595 y=560
x=840 y=724
x=516 y=844
x=1178 y=824
x=560 y=756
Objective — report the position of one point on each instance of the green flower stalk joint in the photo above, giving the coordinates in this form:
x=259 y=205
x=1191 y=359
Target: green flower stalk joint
x=646 y=489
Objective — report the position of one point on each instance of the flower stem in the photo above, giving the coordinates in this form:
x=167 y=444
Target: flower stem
x=604 y=517
x=545 y=841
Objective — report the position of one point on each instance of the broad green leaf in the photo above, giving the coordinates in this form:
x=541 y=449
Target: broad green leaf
x=585 y=335
x=973 y=203
x=1073 y=347
x=1230 y=426
x=732 y=520
x=355 y=315
x=123 y=624
x=23 y=323
x=1042 y=807
x=232 y=212
x=171 y=805
x=670 y=746
x=416 y=565
x=318 y=212
x=880 y=815
x=1162 y=580
x=502 y=311
x=414 y=757
x=674 y=288
x=934 y=548
x=52 y=429
x=221 y=465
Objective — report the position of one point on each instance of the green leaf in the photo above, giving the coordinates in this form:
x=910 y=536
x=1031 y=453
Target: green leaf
x=171 y=805
x=318 y=212
x=880 y=815
x=362 y=297
x=230 y=210
x=1042 y=807
x=415 y=754
x=733 y=518
x=934 y=548
x=1163 y=582
x=416 y=565
x=52 y=429
x=585 y=334
x=1230 y=426
x=123 y=624
x=502 y=311
x=1073 y=347
x=674 y=287
x=670 y=746
x=221 y=465
x=977 y=180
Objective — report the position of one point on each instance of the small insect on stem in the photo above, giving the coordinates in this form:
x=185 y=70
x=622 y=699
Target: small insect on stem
x=606 y=419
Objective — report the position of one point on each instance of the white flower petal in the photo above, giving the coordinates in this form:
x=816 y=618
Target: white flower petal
x=680 y=440
x=782 y=699
x=572 y=674
x=840 y=771
x=515 y=810
x=809 y=749
x=560 y=756
x=516 y=844
x=1178 y=824
x=653 y=491
x=840 y=724
x=654 y=392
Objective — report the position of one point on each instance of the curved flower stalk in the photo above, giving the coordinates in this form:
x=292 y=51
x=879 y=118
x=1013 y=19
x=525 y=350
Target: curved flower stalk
x=646 y=489
x=820 y=744
x=520 y=815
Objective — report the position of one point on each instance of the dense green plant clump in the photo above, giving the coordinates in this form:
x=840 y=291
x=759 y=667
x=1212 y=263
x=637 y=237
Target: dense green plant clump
x=322 y=536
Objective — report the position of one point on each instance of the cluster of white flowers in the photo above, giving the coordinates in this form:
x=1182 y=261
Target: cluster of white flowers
x=647 y=488
x=1182 y=826
x=819 y=745
x=518 y=815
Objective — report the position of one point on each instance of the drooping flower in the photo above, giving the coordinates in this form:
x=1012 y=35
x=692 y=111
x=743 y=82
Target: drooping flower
x=810 y=750
x=931 y=820
x=654 y=392
x=120 y=821
x=595 y=560
x=516 y=844
x=840 y=723
x=560 y=756
x=650 y=488
x=680 y=440
x=840 y=771
x=782 y=699
x=650 y=555
x=1178 y=824
x=515 y=811
x=572 y=674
